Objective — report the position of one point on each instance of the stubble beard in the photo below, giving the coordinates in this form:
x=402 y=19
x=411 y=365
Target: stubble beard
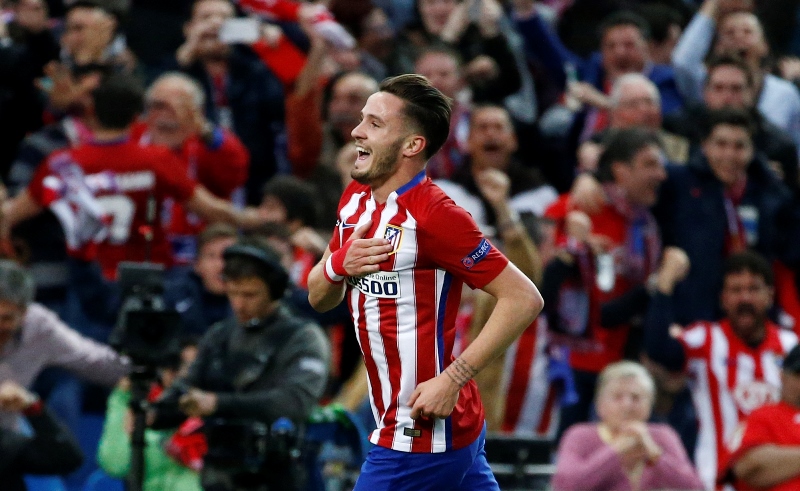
x=381 y=169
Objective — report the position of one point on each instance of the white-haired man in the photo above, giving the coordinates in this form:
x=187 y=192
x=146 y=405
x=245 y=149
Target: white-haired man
x=634 y=101
x=214 y=156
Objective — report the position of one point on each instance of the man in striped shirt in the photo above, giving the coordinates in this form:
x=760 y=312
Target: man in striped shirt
x=733 y=364
x=399 y=255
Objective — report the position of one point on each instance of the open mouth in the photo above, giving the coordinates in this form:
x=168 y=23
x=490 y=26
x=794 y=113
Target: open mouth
x=363 y=153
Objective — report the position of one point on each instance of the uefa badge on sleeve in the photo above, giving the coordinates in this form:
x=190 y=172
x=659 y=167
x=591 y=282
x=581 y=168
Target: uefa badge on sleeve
x=394 y=234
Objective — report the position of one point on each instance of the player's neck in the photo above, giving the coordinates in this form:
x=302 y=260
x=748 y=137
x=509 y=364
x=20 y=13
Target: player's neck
x=403 y=176
x=103 y=135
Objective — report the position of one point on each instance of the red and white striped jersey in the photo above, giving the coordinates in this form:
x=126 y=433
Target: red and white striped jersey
x=729 y=380
x=405 y=314
x=532 y=405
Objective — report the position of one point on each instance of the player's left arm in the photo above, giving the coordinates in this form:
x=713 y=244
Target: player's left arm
x=518 y=304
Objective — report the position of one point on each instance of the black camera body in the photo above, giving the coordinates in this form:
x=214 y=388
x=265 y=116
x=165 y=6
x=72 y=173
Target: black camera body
x=251 y=450
x=146 y=331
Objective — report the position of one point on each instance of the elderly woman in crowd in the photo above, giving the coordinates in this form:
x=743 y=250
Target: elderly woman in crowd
x=622 y=451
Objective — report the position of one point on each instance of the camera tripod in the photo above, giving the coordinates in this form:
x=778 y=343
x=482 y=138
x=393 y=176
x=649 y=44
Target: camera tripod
x=141 y=379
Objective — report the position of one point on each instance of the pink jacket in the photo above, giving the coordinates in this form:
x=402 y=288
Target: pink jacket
x=586 y=463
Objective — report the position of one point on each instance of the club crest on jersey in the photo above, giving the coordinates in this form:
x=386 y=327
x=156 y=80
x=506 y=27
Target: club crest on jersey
x=394 y=234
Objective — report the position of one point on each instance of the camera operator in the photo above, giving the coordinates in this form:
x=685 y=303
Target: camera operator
x=256 y=378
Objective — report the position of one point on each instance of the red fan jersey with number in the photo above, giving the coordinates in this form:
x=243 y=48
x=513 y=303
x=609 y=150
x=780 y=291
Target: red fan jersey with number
x=405 y=314
x=112 y=183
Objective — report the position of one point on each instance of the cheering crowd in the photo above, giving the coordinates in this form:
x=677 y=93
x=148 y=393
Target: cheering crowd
x=637 y=160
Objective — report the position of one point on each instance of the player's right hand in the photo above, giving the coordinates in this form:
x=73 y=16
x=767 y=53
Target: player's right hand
x=364 y=256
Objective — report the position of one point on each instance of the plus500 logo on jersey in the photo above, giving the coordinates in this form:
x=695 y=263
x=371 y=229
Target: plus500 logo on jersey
x=380 y=285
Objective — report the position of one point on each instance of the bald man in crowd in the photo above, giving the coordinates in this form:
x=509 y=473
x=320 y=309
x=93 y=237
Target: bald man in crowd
x=174 y=118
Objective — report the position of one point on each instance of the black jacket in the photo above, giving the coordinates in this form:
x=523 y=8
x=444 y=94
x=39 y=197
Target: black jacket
x=691 y=214
x=276 y=369
x=51 y=450
x=774 y=143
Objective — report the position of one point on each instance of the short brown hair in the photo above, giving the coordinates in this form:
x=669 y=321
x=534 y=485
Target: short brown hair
x=734 y=61
x=425 y=106
x=751 y=262
x=216 y=231
x=740 y=118
x=622 y=146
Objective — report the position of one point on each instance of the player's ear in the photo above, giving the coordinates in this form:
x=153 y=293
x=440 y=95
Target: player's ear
x=414 y=145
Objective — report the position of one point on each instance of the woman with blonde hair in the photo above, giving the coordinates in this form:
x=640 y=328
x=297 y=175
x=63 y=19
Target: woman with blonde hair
x=622 y=451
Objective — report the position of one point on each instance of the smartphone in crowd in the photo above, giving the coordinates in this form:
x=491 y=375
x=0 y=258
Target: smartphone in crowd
x=240 y=30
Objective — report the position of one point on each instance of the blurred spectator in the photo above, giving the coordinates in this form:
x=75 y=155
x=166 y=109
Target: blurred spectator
x=623 y=49
x=595 y=289
x=442 y=66
x=400 y=12
x=728 y=192
x=30 y=27
x=153 y=29
x=212 y=155
x=733 y=362
x=666 y=24
x=623 y=451
x=315 y=133
x=33 y=338
x=243 y=95
x=93 y=36
x=289 y=201
x=175 y=471
x=349 y=93
x=50 y=450
x=376 y=35
x=765 y=450
x=40 y=240
x=473 y=28
x=371 y=29
x=18 y=95
x=737 y=33
x=634 y=101
x=110 y=182
x=730 y=84
x=491 y=145
x=198 y=293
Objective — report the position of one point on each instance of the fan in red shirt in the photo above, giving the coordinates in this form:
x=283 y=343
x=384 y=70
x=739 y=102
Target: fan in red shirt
x=767 y=453
x=108 y=193
x=607 y=257
x=212 y=156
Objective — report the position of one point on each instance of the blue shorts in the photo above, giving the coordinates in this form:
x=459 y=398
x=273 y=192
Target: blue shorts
x=465 y=469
